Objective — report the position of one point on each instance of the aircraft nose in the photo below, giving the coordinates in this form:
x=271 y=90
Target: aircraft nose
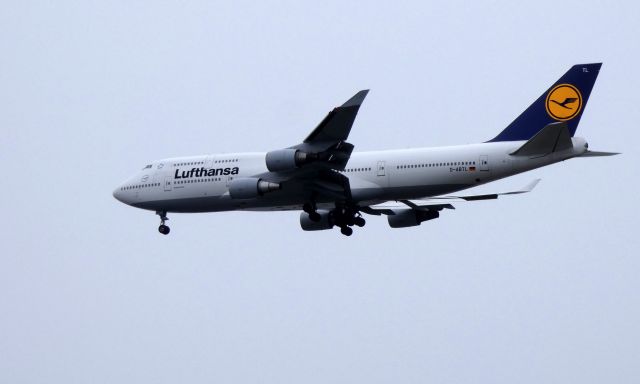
x=117 y=193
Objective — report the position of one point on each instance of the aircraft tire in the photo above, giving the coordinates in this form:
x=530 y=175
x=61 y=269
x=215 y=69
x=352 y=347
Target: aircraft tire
x=346 y=231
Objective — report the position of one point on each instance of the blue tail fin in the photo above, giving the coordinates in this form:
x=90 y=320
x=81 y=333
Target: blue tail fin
x=565 y=101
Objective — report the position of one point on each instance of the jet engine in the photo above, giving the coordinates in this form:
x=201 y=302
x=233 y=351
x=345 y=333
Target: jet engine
x=325 y=221
x=286 y=159
x=250 y=187
x=410 y=217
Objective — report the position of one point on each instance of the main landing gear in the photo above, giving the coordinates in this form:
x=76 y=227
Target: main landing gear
x=310 y=209
x=345 y=218
x=347 y=231
x=164 y=229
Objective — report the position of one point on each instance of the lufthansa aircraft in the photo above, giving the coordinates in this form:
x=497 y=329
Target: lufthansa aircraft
x=334 y=186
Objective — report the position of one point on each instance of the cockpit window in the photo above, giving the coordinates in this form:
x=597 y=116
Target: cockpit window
x=147 y=166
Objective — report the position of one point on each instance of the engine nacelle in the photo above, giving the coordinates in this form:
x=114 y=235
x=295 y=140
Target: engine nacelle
x=250 y=187
x=308 y=225
x=410 y=217
x=286 y=159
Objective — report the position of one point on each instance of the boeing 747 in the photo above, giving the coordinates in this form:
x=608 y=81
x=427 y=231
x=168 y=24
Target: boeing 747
x=334 y=186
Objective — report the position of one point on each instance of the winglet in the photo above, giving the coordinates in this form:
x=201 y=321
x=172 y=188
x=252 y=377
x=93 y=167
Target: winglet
x=356 y=100
x=337 y=124
x=527 y=188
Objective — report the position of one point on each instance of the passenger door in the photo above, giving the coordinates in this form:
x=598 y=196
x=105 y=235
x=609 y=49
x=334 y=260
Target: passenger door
x=381 y=170
x=382 y=176
x=484 y=163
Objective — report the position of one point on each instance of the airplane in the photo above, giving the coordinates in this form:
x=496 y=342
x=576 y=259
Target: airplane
x=334 y=186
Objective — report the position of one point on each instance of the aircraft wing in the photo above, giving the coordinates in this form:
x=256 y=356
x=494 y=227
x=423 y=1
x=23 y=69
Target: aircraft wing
x=336 y=126
x=313 y=165
x=327 y=144
x=527 y=188
x=439 y=203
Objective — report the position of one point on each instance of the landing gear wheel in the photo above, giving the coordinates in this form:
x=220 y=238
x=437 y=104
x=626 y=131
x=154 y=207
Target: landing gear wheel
x=359 y=221
x=164 y=229
x=347 y=231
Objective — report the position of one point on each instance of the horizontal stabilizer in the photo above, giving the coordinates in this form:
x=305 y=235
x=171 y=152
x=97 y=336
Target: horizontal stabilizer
x=553 y=137
x=598 y=154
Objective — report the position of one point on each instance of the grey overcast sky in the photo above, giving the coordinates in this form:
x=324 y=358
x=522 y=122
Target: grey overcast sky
x=538 y=288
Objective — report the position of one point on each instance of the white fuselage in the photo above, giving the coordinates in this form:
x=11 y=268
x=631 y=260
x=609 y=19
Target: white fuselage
x=200 y=183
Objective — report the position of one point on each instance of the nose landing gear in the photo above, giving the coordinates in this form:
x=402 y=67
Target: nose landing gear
x=164 y=229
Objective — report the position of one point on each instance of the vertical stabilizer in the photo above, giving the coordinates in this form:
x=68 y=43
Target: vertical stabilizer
x=564 y=101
